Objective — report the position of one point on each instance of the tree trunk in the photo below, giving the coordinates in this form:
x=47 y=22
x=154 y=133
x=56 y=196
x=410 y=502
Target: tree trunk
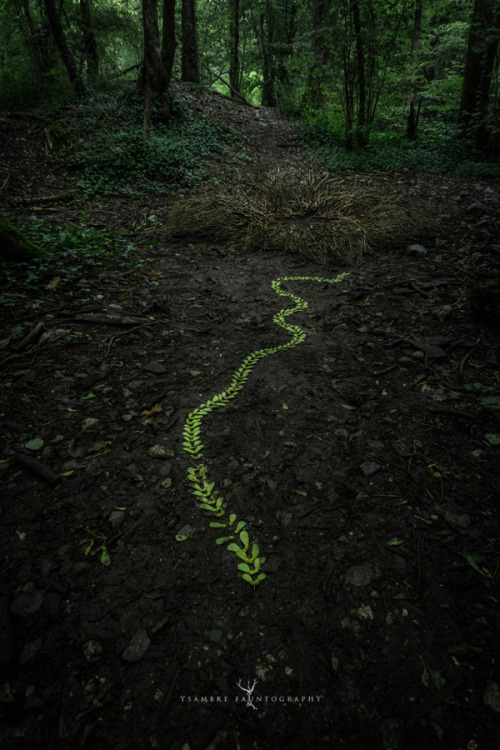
x=15 y=247
x=361 y=132
x=190 y=66
x=35 y=42
x=64 y=48
x=234 y=47
x=267 y=23
x=168 y=43
x=412 y=121
x=89 y=39
x=479 y=63
x=155 y=77
x=320 y=54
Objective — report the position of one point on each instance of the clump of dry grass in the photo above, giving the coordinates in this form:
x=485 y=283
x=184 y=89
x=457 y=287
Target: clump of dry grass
x=322 y=219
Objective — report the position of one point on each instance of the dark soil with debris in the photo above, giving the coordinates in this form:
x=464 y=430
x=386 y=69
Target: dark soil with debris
x=364 y=462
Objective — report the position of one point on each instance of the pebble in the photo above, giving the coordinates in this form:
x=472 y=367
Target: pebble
x=360 y=575
x=369 y=468
x=137 y=647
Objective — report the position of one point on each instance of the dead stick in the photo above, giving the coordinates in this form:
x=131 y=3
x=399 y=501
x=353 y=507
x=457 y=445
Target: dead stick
x=240 y=96
x=44 y=472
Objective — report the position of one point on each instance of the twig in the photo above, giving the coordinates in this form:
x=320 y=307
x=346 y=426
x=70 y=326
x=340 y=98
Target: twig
x=44 y=472
x=47 y=198
x=240 y=96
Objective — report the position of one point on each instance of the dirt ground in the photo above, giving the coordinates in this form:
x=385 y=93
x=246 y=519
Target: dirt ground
x=364 y=462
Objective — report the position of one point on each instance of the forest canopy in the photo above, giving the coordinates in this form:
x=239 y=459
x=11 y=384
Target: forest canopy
x=352 y=68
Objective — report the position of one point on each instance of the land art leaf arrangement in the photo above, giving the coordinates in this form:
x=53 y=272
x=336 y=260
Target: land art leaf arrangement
x=233 y=530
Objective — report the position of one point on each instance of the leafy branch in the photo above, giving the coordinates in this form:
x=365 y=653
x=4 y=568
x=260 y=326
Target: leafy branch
x=204 y=490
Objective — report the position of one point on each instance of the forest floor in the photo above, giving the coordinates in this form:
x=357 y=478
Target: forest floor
x=364 y=462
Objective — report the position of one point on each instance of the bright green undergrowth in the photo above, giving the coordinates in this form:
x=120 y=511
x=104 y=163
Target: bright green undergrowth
x=73 y=251
x=109 y=147
x=438 y=148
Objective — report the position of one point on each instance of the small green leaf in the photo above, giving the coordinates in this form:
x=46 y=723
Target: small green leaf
x=216 y=525
x=57 y=439
x=181 y=537
x=240 y=526
x=244 y=539
x=232 y=519
x=223 y=539
x=346 y=406
x=492 y=438
x=395 y=542
x=105 y=558
x=67 y=473
x=35 y=444
x=127 y=417
x=89 y=396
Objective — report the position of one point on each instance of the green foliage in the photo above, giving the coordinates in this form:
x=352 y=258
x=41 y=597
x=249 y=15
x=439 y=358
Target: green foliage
x=110 y=149
x=72 y=251
x=203 y=490
x=438 y=148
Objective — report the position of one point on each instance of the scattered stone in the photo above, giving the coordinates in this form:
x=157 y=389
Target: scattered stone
x=491 y=697
x=137 y=647
x=431 y=350
x=443 y=312
x=215 y=636
x=116 y=518
x=89 y=422
x=159 y=451
x=92 y=650
x=369 y=468
x=360 y=575
x=418 y=250
x=29 y=651
x=475 y=206
x=27 y=603
x=155 y=367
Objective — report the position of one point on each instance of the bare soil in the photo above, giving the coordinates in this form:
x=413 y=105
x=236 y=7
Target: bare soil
x=363 y=461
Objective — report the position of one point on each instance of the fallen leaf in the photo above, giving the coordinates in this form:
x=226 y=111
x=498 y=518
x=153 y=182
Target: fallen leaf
x=155 y=410
x=54 y=283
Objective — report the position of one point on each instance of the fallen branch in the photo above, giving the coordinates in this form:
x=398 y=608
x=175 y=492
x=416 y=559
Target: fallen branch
x=66 y=195
x=237 y=93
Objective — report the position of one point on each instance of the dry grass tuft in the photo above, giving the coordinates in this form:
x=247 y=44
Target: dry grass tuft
x=322 y=219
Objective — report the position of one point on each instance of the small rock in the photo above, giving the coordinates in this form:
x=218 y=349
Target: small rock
x=155 y=367
x=369 y=468
x=159 y=451
x=92 y=650
x=89 y=422
x=418 y=250
x=475 y=206
x=432 y=351
x=215 y=636
x=491 y=697
x=116 y=518
x=360 y=575
x=29 y=651
x=137 y=647
x=443 y=312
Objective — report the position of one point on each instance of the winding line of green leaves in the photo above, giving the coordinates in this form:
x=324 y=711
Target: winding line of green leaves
x=203 y=490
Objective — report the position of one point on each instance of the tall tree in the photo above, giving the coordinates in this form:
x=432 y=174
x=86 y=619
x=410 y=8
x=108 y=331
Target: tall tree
x=319 y=52
x=64 y=48
x=155 y=76
x=168 y=42
x=89 y=39
x=482 y=47
x=412 y=122
x=190 y=65
x=234 y=47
